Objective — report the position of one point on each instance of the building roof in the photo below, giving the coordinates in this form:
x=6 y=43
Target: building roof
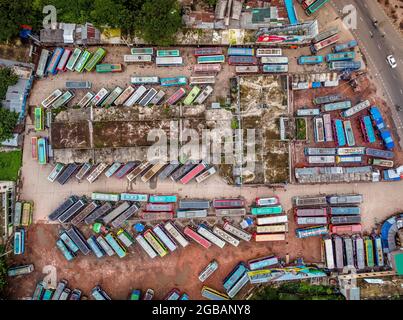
x=397 y=261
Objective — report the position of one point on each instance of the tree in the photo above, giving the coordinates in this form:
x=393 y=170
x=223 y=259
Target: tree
x=3 y=272
x=8 y=121
x=7 y=78
x=12 y=15
x=158 y=21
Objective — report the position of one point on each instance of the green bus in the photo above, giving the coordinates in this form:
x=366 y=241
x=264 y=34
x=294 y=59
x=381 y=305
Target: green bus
x=38 y=119
x=136 y=51
x=267 y=210
x=192 y=95
x=73 y=59
x=168 y=53
x=82 y=61
x=96 y=58
x=369 y=252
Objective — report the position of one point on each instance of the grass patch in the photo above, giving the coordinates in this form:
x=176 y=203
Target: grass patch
x=301 y=129
x=10 y=163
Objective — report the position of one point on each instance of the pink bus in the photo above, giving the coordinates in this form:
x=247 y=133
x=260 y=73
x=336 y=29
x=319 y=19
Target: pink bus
x=63 y=60
x=196 y=237
x=193 y=173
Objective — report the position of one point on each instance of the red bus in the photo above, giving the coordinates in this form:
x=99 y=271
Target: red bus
x=196 y=237
x=348 y=228
x=193 y=173
x=176 y=96
x=207 y=51
x=63 y=60
x=34 y=148
x=228 y=203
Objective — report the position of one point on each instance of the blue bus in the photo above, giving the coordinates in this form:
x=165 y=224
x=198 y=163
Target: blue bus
x=116 y=246
x=232 y=278
x=310 y=59
x=95 y=247
x=345 y=46
x=339 y=131
x=69 y=243
x=19 y=241
x=69 y=255
x=163 y=199
x=340 y=56
x=241 y=51
x=367 y=129
x=54 y=61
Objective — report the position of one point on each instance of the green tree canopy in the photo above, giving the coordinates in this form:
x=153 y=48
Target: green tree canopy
x=7 y=78
x=158 y=21
x=8 y=121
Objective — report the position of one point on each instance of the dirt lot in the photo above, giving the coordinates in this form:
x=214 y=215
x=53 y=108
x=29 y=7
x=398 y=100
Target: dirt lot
x=394 y=9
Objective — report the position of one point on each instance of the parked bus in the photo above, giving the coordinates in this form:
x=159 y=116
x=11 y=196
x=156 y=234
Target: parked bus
x=211 y=59
x=174 y=294
x=210 y=236
x=345 y=211
x=339 y=253
x=275 y=68
x=274 y=60
x=96 y=172
x=319 y=130
x=137 y=171
x=17 y=214
x=349 y=251
x=78 y=84
x=79 y=67
x=225 y=236
x=147 y=97
x=135 y=97
x=164 y=238
x=327 y=99
x=207 y=68
x=115 y=244
x=345 y=46
x=157 y=98
x=345 y=199
x=135 y=51
x=86 y=99
x=348 y=159
x=369 y=252
x=38 y=119
x=168 y=53
x=357 y=108
x=267 y=210
x=138 y=197
x=169 y=61
x=379 y=258
x=233 y=51
x=185 y=204
x=272 y=220
x=43 y=60
x=173 y=81
x=241 y=234
x=310 y=201
x=145 y=80
x=61 y=66
x=208 y=271
x=95 y=247
x=62 y=208
x=311 y=220
x=263 y=262
x=59 y=289
x=344 y=65
x=19 y=241
x=42 y=151
x=176 y=96
x=378 y=153
x=174 y=232
x=311 y=232
x=99 y=97
x=163 y=198
x=85 y=168
x=246 y=69
x=235 y=212
x=123 y=171
x=114 y=197
x=340 y=56
x=193 y=173
x=339 y=133
x=73 y=210
x=66 y=252
x=263 y=237
x=108 y=101
x=228 y=203
x=349 y=219
x=328 y=252
x=310 y=59
x=327 y=125
x=189 y=214
x=69 y=243
x=34 y=148
x=269 y=52
x=234 y=276
x=196 y=237
x=105 y=246
x=99 y=294
x=238 y=286
x=73 y=59
x=367 y=129
x=98 y=213
x=54 y=61
x=346 y=229
x=359 y=253
x=66 y=97
x=212 y=294
x=276 y=228
x=381 y=163
x=320 y=151
x=146 y=247
x=272 y=201
x=39 y=290
x=351 y=151
x=155 y=243
x=202 y=80
x=348 y=130
x=109 y=67
x=208 y=51
x=333 y=106
x=159 y=207
x=125 y=238
x=137 y=58
x=243 y=60
x=116 y=212
x=52 y=97
x=324 y=43
x=113 y=169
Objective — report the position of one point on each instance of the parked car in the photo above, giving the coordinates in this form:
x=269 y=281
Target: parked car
x=392 y=61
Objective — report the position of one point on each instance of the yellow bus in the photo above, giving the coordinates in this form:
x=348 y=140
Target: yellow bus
x=155 y=243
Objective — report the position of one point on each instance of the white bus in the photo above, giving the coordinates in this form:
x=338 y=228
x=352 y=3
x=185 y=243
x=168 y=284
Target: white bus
x=99 y=97
x=272 y=228
x=96 y=173
x=56 y=172
x=164 y=238
x=124 y=96
x=208 y=271
x=86 y=99
x=168 y=61
x=145 y=80
x=274 y=60
x=202 y=230
x=112 y=169
x=237 y=232
x=203 y=95
x=202 y=80
x=135 y=58
x=53 y=96
x=146 y=247
x=328 y=251
x=225 y=236
x=272 y=220
x=174 y=232
x=269 y=52
x=135 y=96
x=246 y=69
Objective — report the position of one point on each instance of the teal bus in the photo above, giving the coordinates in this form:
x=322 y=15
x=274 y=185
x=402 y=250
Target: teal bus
x=191 y=96
x=340 y=56
x=114 y=197
x=267 y=210
x=116 y=246
x=42 y=151
x=39 y=289
x=48 y=294
x=134 y=197
x=96 y=58
x=173 y=81
x=137 y=51
x=211 y=59
x=168 y=53
x=162 y=199
x=310 y=59
x=73 y=59
x=82 y=61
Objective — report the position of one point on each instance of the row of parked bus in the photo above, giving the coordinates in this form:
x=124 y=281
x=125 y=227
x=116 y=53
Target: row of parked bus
x=353 y=252
x=64 y=59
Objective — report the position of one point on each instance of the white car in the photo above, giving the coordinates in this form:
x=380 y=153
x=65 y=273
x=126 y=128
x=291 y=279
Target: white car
x=392 y=61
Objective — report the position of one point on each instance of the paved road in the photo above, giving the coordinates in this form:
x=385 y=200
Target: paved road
x=377 y=43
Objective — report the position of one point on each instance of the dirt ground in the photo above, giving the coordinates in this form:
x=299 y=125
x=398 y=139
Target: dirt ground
x=394 y=9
